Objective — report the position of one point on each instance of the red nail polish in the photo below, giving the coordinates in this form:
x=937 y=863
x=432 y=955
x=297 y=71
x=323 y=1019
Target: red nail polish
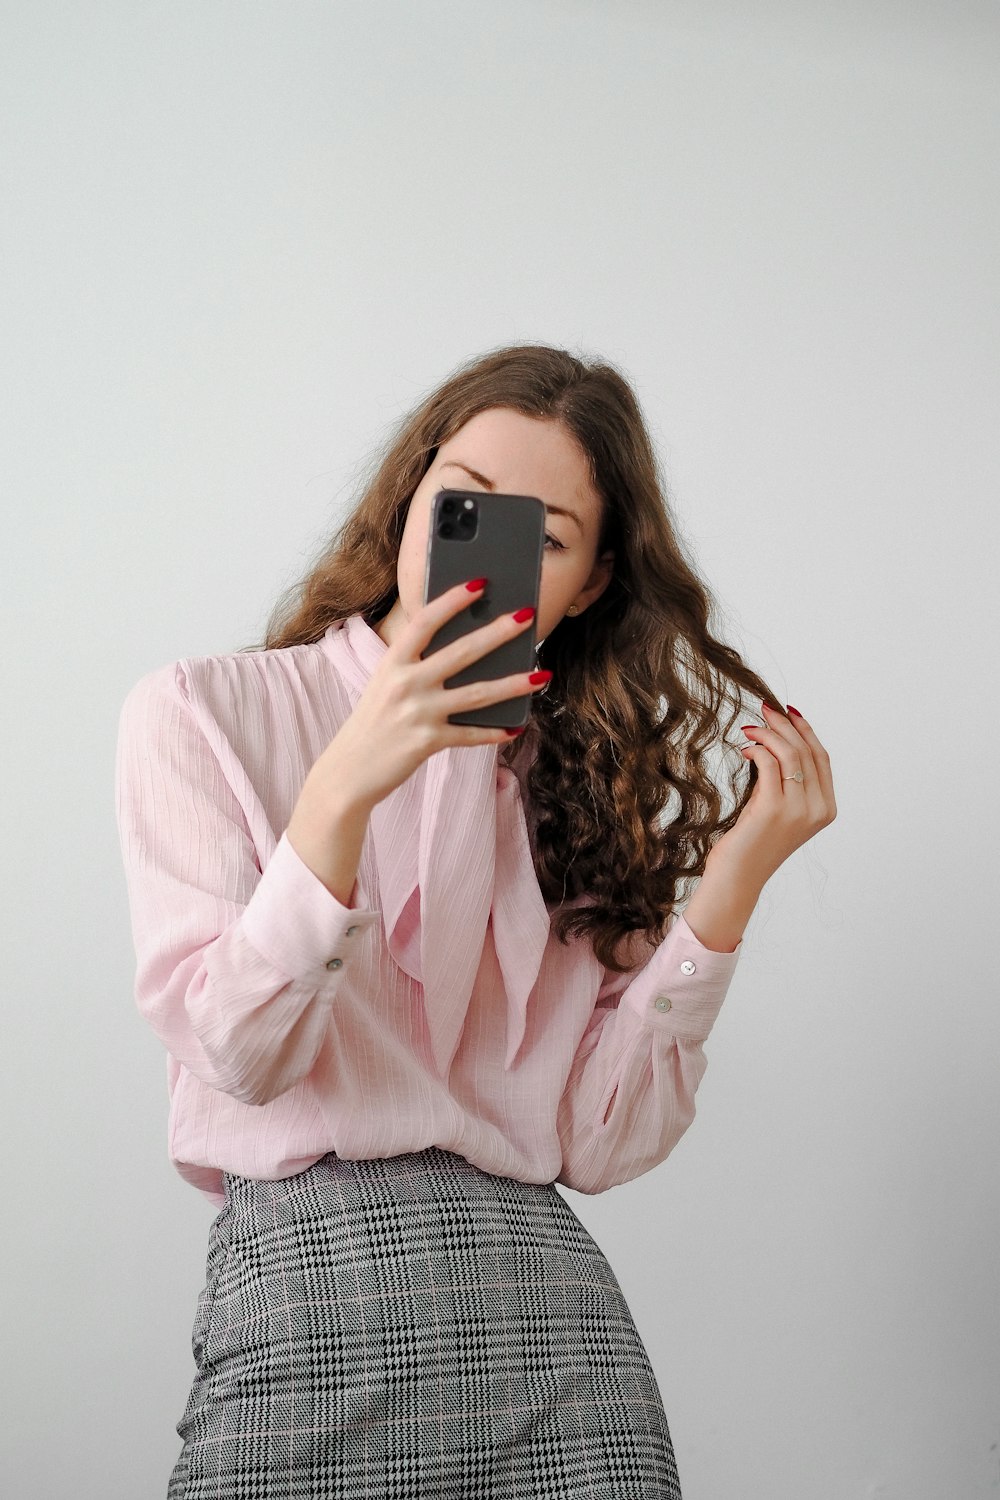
x=792 y=710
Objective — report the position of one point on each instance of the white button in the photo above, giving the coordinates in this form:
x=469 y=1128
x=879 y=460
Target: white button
x=688 y=966
x=351 y=931
x=661 y=1002
x=334 y=963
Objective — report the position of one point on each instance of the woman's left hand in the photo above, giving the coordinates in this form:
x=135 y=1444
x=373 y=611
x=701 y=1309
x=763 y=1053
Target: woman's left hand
x=781 y=814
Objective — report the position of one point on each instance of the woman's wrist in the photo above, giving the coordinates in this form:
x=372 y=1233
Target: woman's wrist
x=723 y=904
x=328 y=833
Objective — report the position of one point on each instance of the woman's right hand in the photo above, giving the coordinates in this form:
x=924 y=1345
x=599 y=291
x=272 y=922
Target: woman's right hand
x=401 y=717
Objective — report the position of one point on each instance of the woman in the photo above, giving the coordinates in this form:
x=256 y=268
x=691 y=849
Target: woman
x=410 y=974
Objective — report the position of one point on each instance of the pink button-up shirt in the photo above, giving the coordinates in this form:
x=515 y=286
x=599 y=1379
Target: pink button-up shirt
x=436 y=1011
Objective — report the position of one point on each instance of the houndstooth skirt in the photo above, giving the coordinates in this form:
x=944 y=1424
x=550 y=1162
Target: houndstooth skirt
x=414 y=1327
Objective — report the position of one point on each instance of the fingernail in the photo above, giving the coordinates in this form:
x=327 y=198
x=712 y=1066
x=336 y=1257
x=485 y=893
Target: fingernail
x=746 y=728
x=475 y=585
x=792 y=710
x=512 y=732
x=521 y=615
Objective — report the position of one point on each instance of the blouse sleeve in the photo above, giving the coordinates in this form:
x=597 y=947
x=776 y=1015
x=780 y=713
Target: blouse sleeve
x=630 y=1093
x=237 y=970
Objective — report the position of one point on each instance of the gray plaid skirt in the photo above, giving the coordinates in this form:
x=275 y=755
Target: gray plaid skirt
x=414 y=1327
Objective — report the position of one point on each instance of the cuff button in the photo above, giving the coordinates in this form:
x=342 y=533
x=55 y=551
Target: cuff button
x=688 y=966
x=661 y=1002
x=334 y=963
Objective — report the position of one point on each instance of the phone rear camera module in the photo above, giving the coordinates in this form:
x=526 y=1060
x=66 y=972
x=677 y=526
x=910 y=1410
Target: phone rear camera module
x=466 y=523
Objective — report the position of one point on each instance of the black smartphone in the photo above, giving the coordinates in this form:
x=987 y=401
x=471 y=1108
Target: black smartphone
x=478 y=534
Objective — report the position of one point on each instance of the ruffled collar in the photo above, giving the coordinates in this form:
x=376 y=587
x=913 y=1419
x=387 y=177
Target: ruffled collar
x=453 y=854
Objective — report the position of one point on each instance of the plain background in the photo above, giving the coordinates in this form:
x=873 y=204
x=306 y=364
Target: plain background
x=239 y=242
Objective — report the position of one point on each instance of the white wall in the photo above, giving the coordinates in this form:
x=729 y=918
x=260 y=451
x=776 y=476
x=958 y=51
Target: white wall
x=239 y=242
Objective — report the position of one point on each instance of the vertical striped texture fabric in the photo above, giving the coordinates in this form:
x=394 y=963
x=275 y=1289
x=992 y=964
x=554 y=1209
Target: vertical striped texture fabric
x=415 y=1328
x=294 y=1025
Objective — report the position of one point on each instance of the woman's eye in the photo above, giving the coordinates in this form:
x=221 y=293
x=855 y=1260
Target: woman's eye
x=558 y=545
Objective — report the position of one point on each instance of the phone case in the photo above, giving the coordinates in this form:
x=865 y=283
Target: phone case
x=479 y=534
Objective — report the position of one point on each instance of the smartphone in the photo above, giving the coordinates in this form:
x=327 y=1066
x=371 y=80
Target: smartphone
x=478 y=534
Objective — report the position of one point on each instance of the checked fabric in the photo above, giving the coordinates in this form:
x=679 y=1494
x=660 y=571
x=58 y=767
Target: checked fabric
x=415 y=1327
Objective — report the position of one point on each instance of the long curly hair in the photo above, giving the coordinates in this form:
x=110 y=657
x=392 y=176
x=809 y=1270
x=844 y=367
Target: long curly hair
x=615 y=767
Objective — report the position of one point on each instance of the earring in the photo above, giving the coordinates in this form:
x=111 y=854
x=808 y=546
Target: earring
x=571 y=611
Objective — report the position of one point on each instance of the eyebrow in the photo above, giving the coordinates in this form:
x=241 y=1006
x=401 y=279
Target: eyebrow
x=556 y=510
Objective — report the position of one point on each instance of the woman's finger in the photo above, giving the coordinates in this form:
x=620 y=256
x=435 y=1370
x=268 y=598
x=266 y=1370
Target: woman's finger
x=821 y=761
x=786 y=756
x=785 y=726
x=781 y=724
x=769 y=773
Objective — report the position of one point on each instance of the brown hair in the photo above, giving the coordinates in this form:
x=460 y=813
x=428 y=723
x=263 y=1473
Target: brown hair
x=615 y=762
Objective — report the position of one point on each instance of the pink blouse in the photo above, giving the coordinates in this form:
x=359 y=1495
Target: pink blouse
x=436 y=1011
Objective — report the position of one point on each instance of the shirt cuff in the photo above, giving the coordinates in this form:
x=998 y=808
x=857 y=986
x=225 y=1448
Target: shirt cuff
x=680 y=989
x=297 y=924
